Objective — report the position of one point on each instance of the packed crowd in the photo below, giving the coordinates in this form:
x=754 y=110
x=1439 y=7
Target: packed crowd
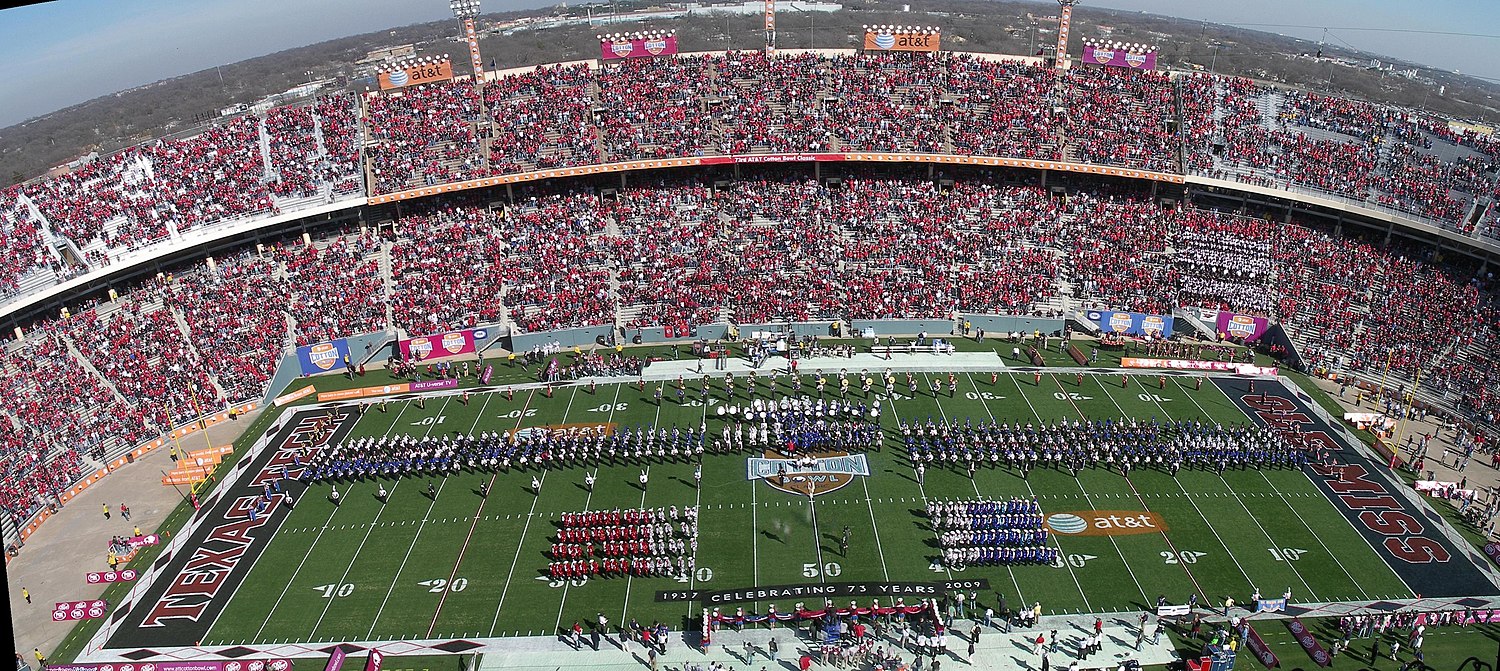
x=767 y=248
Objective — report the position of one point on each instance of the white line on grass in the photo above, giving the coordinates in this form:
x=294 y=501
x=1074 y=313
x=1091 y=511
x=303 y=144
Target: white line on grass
x=355 y=558
x=1022 y=392
x=588 y=499
x=984 y=404
x=412 y=546
x=292 y=578
x=521 y=540
x=1299 y=515
x=1194 y=504
x=1237 y=499
x=947 y=571
x=698 y=505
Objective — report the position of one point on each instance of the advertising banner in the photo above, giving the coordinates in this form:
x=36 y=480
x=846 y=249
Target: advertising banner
x=372 y=663
x=1120 y=58
x=771 y=158
x=100 y=577
x=1241 y=327
x=1270 y=605
x=641 y=47
x=1258 y=647
x=323 y=357
x=489 y=371
x=293 y=396
x=429 y=385
x=418 y=73
x=1193 y=364
x=386 y=390
x=1132 y=323
x=211 y=665
x=79 y=610
x=1308 y=642
x=335 y=659
x=442 y=345
x=901 y=40
x=137 y=542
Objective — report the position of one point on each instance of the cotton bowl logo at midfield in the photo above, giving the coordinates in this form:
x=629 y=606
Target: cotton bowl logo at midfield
x=1106 y=523
x=1120 y=322
x=323 y=355
x=885 y=40
x=832 y=471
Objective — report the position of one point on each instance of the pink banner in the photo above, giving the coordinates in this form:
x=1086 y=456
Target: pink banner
x=647 y=47
x=772 y=158
x=229 y=665
x=1258 y=647
x=1241 y=327
x=1308 y=642
x=100 y=577
x=79 y=610
x=372 y=663
x=1120 y=58
x=335 y=659
x=137 y=542
x=442 y=345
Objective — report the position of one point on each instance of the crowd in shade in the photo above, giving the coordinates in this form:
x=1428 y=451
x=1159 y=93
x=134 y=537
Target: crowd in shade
x=1386 y=156
x=769 y=246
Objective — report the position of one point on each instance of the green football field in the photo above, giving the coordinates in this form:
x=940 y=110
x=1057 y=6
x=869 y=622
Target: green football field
x=467 y=566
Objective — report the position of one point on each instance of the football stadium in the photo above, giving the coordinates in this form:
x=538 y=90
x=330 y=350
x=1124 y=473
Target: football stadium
x=895 y=355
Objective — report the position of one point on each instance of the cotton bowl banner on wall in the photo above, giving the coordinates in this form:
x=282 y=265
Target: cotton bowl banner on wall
x=323 y=357
x=1120 y=58
x=1241 y=327
x=1132 y=323
x=632 y=46
x=442 y=345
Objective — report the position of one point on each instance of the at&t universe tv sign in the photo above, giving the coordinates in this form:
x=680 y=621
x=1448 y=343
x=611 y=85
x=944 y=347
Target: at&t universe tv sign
x=901 y=41
x=411 y=75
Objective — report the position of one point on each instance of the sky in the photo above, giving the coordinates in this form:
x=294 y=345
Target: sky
x=65 y=52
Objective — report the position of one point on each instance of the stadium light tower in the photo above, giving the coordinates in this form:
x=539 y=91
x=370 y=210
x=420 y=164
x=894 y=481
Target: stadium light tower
x=1064 y=25
x=770 y=27
x=465 y=11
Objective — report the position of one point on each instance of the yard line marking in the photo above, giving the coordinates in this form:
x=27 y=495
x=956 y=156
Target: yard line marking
x=521 y=539
x=561 y=604
x=354 y=559
x=985 y=404
x=314 y=545
x=630 y=578
x=1246 y=508
x=1088 y=497
x=947 y=571
x=394 y=579
x=1173 y=548
x=1054 y=538
x=698 y=503
x=1253 y=418
x=879 y=549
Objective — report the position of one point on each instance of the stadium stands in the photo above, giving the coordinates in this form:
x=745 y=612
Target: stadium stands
x=769 y=246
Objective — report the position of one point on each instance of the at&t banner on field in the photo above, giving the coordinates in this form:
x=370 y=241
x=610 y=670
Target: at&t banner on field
x=323 y=357
x=1132 y=323
x=442 y=345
